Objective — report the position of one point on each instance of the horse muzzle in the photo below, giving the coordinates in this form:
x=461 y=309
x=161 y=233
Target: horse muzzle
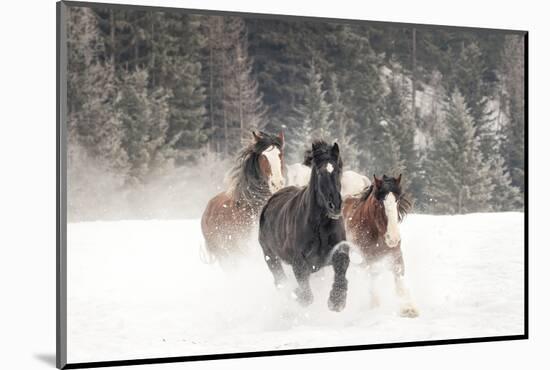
x=392 y=242
x=334 y=216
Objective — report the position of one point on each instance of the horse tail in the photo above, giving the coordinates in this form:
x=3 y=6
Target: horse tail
x=204 y=254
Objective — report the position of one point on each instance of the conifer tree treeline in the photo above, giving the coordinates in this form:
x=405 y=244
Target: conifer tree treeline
x=150 y=91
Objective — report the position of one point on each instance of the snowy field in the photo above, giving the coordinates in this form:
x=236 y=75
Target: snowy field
x=138 y=289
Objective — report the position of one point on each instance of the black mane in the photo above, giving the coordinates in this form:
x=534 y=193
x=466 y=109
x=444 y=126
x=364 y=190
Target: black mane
x=308 y=158
x=246 y=183
x=321 y=152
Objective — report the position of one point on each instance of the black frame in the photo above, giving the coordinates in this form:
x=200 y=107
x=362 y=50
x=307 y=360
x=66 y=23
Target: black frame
x=61 y=198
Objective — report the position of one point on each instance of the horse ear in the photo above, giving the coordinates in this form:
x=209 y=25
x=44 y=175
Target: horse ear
x=282 y=137
x=377 y=182
x=384 y=177
x=335 y=150
x=398 y=179
x=257 y=135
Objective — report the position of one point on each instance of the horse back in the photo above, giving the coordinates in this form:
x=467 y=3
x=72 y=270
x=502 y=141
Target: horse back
x=352 y=212
x=224 y=218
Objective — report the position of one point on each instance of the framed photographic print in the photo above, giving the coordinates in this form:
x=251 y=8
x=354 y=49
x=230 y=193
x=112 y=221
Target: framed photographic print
x=235 y=185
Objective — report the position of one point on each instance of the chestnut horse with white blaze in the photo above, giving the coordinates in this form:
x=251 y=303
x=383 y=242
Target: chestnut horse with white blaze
x=230 y=217
x=372 y=223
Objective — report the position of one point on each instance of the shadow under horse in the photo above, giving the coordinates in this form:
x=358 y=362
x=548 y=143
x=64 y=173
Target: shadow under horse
x=303 y=227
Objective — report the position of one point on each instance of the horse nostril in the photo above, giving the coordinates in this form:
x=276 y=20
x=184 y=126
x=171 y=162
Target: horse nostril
x=330 y=205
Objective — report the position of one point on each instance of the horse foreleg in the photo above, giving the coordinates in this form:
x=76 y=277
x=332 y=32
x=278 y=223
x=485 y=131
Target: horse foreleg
x=303 y=292
x=274 y=264
x=374 y=297
x=407 y=307
x=338 y=293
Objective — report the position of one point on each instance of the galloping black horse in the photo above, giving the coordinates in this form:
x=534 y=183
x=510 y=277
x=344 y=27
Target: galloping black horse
x=304 y=228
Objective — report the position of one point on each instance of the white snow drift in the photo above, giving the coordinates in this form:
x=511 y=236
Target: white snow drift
x=137 y=289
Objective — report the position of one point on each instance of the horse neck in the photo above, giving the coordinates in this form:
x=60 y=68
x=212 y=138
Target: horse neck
x=373 y=217
x=253 y=190
x=315 y=213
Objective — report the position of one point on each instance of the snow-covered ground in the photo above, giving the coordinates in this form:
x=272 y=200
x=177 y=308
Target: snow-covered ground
x=138 y=289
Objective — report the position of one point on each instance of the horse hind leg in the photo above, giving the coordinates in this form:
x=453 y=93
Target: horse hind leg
x=338 y=293
x=407 y=308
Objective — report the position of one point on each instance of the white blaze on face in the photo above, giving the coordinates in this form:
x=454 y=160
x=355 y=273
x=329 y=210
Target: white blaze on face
x=330 y=168
x=276 y=180
x=392 y=236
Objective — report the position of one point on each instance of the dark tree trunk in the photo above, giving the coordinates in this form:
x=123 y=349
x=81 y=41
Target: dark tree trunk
x=413 y=76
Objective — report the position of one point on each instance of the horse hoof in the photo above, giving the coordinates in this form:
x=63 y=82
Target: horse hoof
x=408 y=311
x=303 y=298
x=374 y=303
x=337 y=301
x=336 y=306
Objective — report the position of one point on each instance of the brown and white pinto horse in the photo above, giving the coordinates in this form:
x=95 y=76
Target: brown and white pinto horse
x=372 y=224
x=229 y=217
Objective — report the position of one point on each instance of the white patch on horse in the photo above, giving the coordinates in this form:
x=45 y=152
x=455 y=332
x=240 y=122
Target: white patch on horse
x=298 y=174
x=392 y=236
x=276 y=180
x=330 y=167
x=353 y=183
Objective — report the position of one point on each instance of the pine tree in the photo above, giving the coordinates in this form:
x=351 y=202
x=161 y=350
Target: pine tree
x=343 y=127
x=175 y=65
x=400 y=133
x=513 y=146
x=311 y=119
x=458 y=176
x=132 y=107
x=357 y=66
x=250 y=109
x=162 y=148
x=244 y=109
x=281 y=52
x=93 y=121
x=187 y=110
x=505 y=196
x=235 y=103
x=468 y=77
x=144 y=119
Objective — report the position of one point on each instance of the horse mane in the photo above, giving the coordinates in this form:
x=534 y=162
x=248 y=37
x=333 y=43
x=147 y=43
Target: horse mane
x=246 y=183
x=366 y=193
x=321 y=151
x=308 y=158
x=404 y=205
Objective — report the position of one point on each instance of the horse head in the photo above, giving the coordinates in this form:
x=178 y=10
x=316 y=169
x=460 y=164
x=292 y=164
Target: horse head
x=387 y=195
x=326 y=177
x=270 y=158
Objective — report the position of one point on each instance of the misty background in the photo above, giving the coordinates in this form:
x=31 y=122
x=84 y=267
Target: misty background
x=159 y=103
